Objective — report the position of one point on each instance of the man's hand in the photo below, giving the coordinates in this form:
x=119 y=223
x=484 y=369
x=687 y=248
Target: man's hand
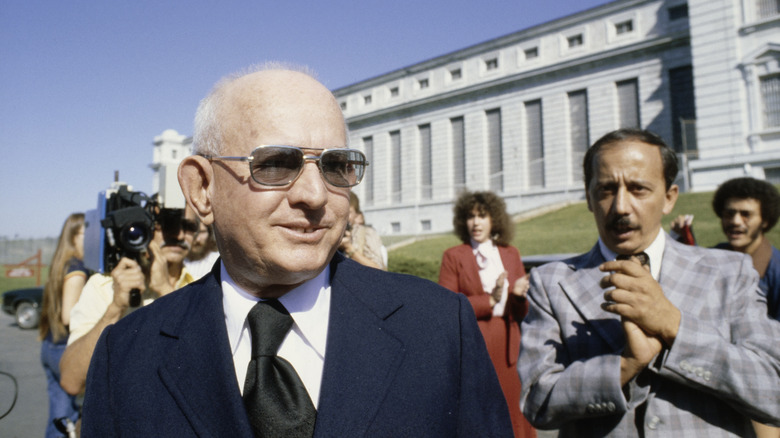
x=127 y=275
x=638 y=298
x=159 y=280
x=679 y=223
x=639 y=351
x=646 y=315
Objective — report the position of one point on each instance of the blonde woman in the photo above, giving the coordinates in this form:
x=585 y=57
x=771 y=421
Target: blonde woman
x=67 y=276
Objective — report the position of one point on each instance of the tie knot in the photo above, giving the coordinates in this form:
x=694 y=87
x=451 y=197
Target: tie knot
x=641 y=257
x=269 y=323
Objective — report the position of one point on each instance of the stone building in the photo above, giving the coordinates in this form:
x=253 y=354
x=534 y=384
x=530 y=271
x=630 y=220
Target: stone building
x=516 y=114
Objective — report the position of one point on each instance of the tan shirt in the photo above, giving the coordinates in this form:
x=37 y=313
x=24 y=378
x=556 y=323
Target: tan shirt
x=95 y=299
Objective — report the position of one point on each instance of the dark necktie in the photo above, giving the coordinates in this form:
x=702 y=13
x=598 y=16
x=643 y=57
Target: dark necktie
x=276 y=401
x=641 y=257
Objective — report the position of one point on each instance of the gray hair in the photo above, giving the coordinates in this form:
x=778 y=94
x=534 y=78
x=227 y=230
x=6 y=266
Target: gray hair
x=208 y=136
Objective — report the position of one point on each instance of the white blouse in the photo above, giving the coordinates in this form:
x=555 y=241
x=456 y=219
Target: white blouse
x=490 y=268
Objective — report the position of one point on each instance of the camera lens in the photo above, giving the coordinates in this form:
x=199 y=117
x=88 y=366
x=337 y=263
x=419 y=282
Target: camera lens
x=135 y=236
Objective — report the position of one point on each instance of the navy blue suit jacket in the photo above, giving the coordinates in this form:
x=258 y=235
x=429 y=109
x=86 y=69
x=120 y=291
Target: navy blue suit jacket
x=404 y=357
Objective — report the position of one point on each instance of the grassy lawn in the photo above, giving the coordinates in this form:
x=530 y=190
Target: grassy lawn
x=20 y=283
x=568 y=230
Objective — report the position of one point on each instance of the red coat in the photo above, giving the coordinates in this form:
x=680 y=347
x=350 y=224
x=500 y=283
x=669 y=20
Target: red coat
x=460 y=273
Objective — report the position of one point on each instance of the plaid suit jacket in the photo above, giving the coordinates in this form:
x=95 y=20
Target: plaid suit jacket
x=722 y=370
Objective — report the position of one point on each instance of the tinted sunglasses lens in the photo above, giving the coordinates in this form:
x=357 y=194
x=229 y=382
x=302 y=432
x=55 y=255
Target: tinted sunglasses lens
x=276 y=166
x=343 y=167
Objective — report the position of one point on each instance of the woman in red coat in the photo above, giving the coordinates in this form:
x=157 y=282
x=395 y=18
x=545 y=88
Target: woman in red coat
x=489 y=271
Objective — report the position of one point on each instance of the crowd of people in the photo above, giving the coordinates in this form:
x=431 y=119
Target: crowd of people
x=268 y=309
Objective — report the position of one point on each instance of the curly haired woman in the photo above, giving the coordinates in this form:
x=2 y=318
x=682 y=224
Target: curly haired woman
x=489 y=271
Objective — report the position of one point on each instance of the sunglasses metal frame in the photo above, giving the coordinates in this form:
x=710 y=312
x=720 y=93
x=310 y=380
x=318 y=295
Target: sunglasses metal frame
x=304 y=157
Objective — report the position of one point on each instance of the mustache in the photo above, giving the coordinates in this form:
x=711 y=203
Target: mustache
x=621 y=222
x=183 y=244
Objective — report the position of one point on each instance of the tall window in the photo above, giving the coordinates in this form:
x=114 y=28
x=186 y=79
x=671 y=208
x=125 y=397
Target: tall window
x=426 y=162
x=396 y=175
x=458 y=152
x=535 y=143
x=368 y=180
x=495 y=156
x=579 y=136
x=628 y=103
x=770 y=94
x=683 y=109
x=767 y=8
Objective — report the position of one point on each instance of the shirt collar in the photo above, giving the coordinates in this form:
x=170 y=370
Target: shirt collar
x=185 y=278
x=655 y=252
x=485 y=247
x=308 y=304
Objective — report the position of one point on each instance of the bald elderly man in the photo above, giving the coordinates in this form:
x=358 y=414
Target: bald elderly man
x=286 y=337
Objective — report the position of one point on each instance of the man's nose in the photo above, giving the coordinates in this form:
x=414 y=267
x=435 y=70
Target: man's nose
x=621 y=204
x=309 y=189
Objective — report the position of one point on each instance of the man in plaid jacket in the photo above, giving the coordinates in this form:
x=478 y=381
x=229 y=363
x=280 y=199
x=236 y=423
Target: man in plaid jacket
x=643 y=336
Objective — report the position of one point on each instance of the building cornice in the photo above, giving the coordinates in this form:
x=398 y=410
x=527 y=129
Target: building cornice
x=641 y=48
x=498 y=43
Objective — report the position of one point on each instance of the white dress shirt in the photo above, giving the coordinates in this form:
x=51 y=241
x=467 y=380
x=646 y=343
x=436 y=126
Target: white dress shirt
x=490 y=267
x=304 y=346
x=655 y=252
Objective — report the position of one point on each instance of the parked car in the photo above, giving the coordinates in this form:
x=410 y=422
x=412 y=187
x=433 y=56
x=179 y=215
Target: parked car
x=24 y=305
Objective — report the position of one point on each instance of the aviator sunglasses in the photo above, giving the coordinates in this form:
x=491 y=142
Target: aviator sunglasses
x=278 y=166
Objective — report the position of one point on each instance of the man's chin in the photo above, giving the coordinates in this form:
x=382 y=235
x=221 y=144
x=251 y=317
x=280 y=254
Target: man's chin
x=738 y=244
x=625 y=247
x=193 y=257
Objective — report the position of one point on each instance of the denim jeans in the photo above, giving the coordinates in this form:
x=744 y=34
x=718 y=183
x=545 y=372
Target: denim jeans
x=61 y=404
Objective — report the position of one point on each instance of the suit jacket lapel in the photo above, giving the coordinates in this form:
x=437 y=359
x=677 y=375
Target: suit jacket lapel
x=198 y=370
x=361 y=358
x=679 y=285
x=470 y=269
x=586 y=295
x=683 y=278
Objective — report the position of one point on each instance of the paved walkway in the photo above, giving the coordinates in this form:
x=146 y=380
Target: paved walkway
x=20 y=357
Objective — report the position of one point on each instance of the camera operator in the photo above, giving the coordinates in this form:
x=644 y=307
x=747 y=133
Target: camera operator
x=203 y=253
x=106 y=298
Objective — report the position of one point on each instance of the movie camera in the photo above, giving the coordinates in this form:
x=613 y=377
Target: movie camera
x=123 y=224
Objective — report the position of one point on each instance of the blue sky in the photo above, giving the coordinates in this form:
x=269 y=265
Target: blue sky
x=85 y=86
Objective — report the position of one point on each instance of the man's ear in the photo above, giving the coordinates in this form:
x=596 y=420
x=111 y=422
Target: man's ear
x=195 y=179
x=587 y=198
x=670 y=198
